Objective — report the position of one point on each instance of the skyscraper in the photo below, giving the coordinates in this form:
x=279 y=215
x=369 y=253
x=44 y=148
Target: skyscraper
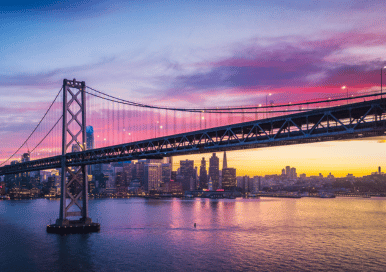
x=288 y=171
x=187 y=171
x=89 y=145
x=213 y=170
x=293 y=173
x=203 y=174
x=152 y=176
x=89 y=137
x=25 y=177
x=166 y=172
x=229 y=178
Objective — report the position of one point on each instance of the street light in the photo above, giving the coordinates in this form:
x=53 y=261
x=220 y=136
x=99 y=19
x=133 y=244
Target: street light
x=344 y=87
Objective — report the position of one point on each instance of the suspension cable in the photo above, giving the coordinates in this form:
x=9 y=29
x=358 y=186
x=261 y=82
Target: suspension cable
x=47 y=134
x=227 y=109
x=41 y=120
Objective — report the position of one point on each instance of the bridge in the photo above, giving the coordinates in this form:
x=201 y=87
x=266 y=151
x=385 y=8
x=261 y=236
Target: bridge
x=127 y=130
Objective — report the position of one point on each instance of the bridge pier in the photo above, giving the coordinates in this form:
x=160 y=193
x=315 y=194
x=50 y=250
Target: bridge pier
x=74 y=182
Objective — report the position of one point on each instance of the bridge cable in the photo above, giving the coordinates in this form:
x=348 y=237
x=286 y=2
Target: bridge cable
x=223 y=110
x=47 y=134
x=41 y=120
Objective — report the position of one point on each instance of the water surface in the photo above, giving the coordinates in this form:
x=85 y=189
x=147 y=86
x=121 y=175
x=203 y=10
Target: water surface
x=267 y=234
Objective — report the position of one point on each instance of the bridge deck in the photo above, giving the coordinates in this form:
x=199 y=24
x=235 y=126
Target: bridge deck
x=363 y=119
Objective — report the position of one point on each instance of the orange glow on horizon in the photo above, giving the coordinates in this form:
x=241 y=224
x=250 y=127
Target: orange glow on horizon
x=358 y=157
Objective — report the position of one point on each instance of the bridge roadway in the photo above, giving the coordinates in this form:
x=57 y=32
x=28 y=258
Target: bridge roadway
x=364 y=119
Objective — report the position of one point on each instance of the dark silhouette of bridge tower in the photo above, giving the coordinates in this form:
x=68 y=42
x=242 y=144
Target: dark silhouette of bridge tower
x=74 y=182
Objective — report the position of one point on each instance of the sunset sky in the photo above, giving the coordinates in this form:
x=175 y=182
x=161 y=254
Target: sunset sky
x=198 y=54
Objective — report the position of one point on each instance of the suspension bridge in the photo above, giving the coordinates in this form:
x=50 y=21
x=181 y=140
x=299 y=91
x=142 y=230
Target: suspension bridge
x=125 y=130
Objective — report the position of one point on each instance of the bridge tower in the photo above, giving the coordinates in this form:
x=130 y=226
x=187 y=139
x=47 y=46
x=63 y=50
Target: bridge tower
x=74 y=181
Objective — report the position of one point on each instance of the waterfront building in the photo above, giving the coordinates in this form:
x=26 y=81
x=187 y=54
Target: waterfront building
x=2 y=188
x=214 y=171
x=288 y=171
x=256 y=184
x=139 y=171
x=128 y=169
x=187 y=172
x=120 y=183
x=152 y=177
x=293 y=174
x=246 y=184
x=210 y=184
x=166 y=172
x=175 y=187
x=203 y=174
x=173 y=176
x=229 y=178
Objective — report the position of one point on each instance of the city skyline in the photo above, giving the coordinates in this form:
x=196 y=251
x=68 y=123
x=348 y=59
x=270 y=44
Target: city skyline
x=305 y=157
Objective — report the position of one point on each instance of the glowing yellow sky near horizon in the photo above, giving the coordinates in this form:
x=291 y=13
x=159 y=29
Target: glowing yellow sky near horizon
x=358 y=157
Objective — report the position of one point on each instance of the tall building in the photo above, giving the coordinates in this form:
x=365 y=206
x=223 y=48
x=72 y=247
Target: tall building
x=120 y=183
x=173 y=176
x=89 y=137
x=294 y=175
x=139 y=171
x=246 y=183
x=288 y=171
x=213 y=170
x=166 y=172
x=224 y=161
x=128 y=169
x=25 y=177
x=187 y=171
x=2 y=188
x=229 y=178
x=210 y=184
x=256 y=184
x=152 y=177
x=203 y=174
x=90 y=145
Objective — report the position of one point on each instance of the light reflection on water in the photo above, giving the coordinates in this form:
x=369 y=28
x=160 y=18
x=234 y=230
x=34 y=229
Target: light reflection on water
x=267 y=234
